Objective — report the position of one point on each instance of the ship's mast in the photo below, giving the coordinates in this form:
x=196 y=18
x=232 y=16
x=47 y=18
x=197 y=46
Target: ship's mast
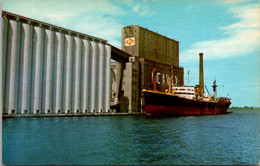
x=214 y=89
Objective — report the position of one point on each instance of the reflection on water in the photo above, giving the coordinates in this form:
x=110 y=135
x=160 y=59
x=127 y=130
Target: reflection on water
x=221 y=139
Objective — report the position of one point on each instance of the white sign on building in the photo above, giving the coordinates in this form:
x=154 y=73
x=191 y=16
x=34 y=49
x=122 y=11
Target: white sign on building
x=130 y=41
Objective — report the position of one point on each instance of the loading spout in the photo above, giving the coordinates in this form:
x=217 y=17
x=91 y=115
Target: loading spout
x=154 y=79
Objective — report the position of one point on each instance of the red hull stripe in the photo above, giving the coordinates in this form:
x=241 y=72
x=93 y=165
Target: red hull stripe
x=175 y=110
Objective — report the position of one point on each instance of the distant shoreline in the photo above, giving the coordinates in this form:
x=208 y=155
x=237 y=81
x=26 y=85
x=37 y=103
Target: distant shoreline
x=245 y=107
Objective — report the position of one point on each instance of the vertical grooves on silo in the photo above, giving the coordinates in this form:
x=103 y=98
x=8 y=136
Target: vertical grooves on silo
x=85 y=75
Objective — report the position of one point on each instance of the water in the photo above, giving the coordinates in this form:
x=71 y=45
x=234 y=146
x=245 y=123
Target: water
x=221 y=139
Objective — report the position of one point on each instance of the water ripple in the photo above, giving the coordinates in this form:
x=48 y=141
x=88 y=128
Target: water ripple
x=222 y=139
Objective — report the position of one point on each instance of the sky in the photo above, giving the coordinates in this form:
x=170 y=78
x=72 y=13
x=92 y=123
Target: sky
x=226 y=31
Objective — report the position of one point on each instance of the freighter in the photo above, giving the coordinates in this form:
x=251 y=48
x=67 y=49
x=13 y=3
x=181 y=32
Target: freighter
x=184 y=100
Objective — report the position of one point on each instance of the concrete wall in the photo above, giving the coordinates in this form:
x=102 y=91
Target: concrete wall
x=150 y=45
x=130 y=100
x=125 y=85
x=163 y=73
x=48 y=69
x=116 y=82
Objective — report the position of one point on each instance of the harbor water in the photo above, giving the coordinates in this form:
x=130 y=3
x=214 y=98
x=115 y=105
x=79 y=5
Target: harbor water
x=221 y=139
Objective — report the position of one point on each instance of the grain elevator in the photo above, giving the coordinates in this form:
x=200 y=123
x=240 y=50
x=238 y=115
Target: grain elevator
x=149 y=50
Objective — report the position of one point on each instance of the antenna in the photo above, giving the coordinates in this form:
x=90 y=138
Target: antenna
x=188 y=77
x=221 y=90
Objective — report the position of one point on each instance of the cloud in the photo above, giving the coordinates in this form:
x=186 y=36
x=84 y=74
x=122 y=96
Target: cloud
x=58 y=10
x=136 y=8
x=227 y=2
x=194 y=8
x=140 y=7
x=95 y=18
x=142 y=10
x=100 y=26
x=241 y=38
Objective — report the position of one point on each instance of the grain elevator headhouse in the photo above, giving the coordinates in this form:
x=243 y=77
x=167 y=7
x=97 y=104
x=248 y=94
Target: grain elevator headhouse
x=150 y=51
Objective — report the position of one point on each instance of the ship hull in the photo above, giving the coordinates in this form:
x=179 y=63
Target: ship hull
x=166 y=104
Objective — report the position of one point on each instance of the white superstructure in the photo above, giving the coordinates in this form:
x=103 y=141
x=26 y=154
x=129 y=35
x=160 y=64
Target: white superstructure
x=185 y=91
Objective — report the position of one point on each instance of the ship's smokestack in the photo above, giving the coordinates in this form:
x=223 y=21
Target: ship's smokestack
x=201 y=77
